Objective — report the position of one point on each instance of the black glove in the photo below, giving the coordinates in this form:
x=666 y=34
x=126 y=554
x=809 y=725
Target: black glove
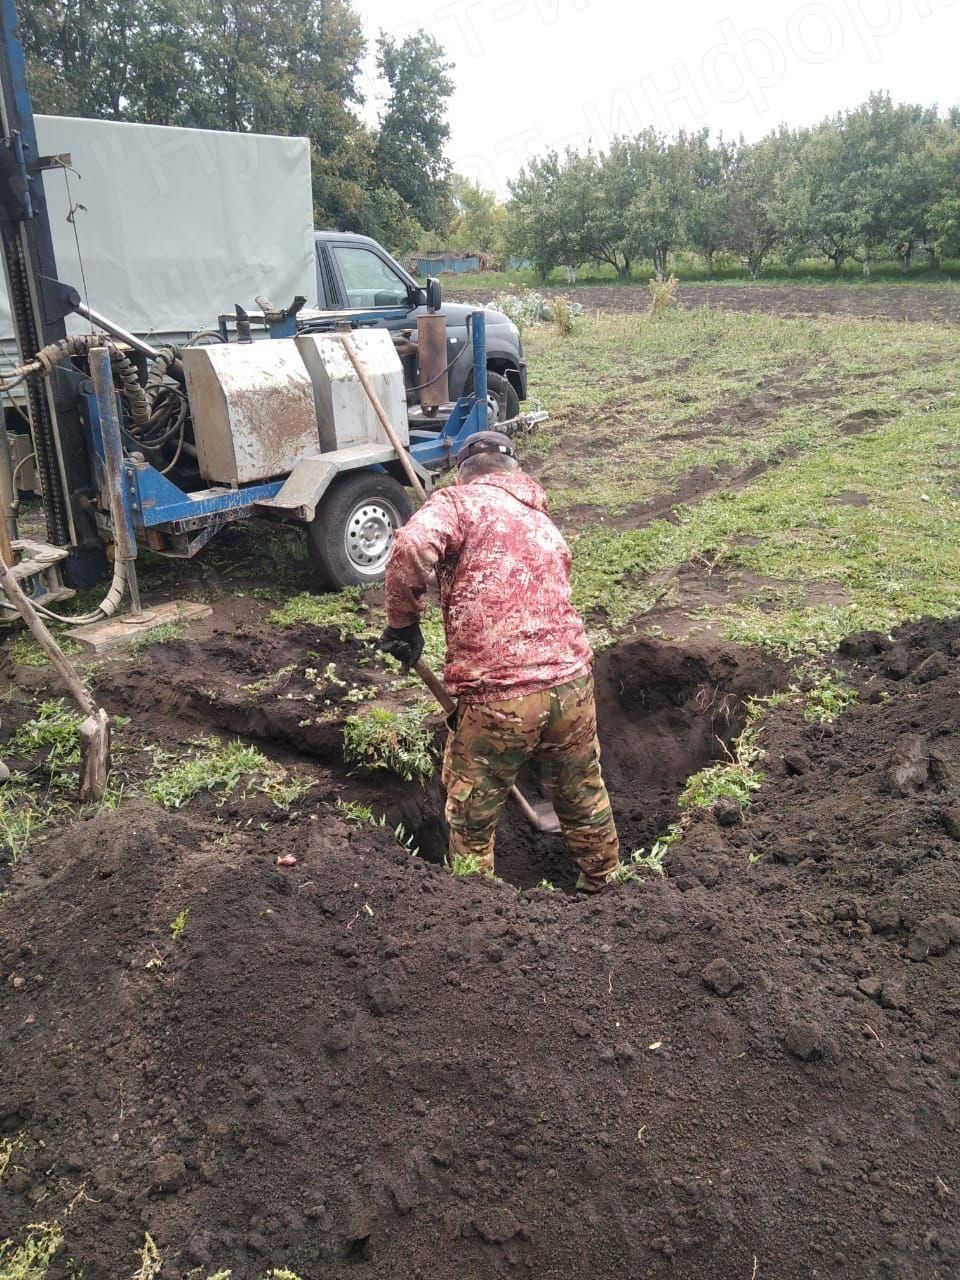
x=403 y=643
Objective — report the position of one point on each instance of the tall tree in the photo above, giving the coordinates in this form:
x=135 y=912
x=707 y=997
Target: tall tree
x=537 y=231
x=413 y=127
x=751 y=201
x=478 y=222
x=708 y=168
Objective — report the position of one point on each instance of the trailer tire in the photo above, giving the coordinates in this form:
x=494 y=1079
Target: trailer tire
x=350 y=536
x=502 y=392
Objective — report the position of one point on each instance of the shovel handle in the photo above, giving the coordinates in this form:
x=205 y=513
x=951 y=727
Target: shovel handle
x=450 y=706
x=435 y=687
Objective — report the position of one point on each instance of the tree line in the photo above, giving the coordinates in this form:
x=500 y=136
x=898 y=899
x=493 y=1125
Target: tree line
x=880 y=181
x=263 y=66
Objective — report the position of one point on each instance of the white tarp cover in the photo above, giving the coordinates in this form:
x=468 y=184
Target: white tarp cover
x=178 y=225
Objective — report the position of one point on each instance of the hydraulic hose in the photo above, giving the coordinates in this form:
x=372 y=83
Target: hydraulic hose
x=126 y=371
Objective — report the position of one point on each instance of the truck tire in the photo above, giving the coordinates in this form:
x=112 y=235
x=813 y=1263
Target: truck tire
x=501 y=390
x=349 y=538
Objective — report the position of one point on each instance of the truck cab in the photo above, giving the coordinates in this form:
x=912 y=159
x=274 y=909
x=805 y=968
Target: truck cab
x=354 y=271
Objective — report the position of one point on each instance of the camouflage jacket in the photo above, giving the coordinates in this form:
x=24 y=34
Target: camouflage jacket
x=503 y=569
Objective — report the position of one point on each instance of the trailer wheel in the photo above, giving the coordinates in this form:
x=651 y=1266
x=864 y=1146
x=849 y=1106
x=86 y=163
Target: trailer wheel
x=501 y=393
x=349 y=539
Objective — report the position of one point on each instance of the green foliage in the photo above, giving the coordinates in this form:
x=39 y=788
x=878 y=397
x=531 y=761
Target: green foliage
x=179 y=923
x=55 y=729
x=342 y=609
x=397 y=741
x=406 y=840
x=639 y=864
x=352 y=811
x=463 y=865
x=730 y=780
x=163 y=634
x=880 y=181
x=827 y=698
x=413 y=126
x=177 y=779
x=27 y=653
x=528 y=309
x=20 y=816
x=30 y=1258
x=565 y=313
x=255 y=67
x=479 y=222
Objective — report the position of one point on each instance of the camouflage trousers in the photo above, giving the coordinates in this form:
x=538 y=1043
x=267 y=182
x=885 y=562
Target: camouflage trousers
x=492 y=741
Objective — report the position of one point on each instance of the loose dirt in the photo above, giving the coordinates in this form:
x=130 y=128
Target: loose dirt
x=927 y=304
x=361 y=1066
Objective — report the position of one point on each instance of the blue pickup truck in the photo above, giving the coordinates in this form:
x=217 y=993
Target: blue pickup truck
x=354 y=271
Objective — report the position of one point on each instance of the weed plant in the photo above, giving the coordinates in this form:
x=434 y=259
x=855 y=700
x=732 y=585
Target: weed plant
x=396 y=741
x=212 y=765
x=30 y=1258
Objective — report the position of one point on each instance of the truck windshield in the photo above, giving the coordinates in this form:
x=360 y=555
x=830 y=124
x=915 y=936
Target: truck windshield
x=368 y=280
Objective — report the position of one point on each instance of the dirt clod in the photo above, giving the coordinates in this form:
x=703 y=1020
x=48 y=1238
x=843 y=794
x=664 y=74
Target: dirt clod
x=805 y=1040
x=720 y=977
x=933 y=935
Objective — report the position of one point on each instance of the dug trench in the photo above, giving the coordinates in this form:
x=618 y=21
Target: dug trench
x=360 y=1065
x=664 y=712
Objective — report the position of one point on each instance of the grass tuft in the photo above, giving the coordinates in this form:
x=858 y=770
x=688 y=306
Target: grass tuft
x=215 y=765
x=396 y=741
x=344 y=610
x=463 y=865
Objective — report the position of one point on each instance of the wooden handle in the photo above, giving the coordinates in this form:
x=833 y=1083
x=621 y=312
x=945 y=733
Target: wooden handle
x=381 y=413
x=450 y=706
x=435 y=687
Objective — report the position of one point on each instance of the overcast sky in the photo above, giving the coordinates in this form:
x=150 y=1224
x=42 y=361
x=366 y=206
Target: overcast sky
x=535 y=74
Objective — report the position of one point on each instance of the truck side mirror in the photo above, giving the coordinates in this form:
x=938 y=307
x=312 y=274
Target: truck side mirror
x=434 y=294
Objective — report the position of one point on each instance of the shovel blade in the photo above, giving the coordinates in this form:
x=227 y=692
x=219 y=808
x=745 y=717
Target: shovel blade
x=545 y=818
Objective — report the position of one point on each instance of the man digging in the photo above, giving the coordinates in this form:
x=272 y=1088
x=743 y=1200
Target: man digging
x=518 y=658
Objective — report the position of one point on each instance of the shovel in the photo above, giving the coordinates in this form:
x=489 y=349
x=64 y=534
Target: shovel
x=95 y=730
x=541 y=816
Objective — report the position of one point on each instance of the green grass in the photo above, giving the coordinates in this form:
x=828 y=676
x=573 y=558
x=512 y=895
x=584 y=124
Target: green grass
x=896 y=558
x=827 y=698
x=214 y=765
x=166 y=632
x=27 y=653
x=344 y=610
x=728 y=780
x=639 y=402
x=55 y=732
x=380 y=738
x=639 y=864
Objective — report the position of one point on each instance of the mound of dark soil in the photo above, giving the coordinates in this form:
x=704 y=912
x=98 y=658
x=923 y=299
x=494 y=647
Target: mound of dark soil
x=359 y=1065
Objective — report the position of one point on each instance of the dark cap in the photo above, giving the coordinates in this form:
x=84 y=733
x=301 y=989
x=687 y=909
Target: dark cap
x=486 y=442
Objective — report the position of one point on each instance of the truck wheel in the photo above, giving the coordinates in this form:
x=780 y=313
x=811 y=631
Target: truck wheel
x=349 y=539
x=502 y=392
